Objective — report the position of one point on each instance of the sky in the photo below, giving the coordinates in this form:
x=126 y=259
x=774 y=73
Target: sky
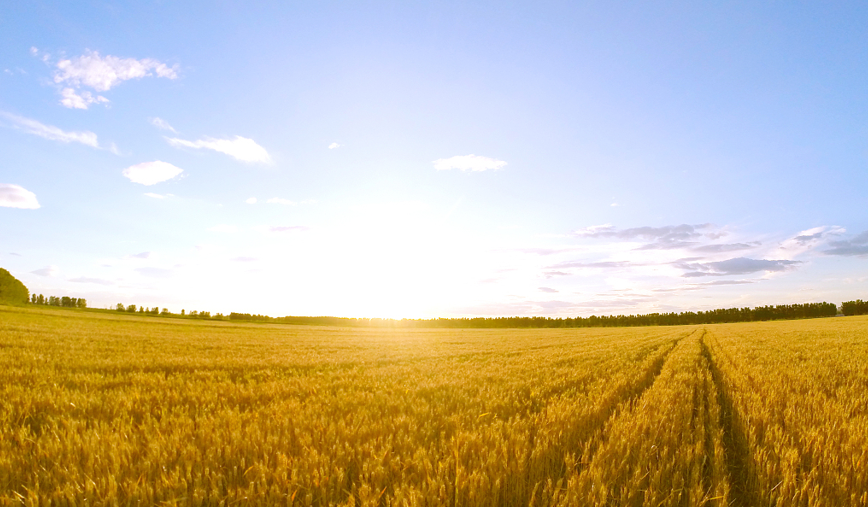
x=439 y=159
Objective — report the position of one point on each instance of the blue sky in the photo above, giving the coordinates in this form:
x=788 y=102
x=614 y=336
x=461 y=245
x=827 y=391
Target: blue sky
x=389 y=159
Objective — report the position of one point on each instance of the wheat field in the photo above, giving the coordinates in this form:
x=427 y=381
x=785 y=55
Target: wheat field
x=101 y=409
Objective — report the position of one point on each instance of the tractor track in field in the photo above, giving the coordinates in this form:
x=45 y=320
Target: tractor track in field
x=735 y=441
x=619 y=399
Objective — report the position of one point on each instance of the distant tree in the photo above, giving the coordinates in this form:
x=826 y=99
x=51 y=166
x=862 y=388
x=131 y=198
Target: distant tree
x=33 y=298
x=120 y=307
x=40 y=300
x=65 y=302
x=165 y=311
x=131 y=309
x=182 y=311
x=81 y=303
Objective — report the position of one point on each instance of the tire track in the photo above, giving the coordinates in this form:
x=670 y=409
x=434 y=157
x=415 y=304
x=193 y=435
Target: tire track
x=616 y=400
x=735 y=442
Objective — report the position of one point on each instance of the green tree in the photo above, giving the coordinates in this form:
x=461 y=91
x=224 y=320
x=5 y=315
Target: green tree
x=131 y=309
x=12 y=291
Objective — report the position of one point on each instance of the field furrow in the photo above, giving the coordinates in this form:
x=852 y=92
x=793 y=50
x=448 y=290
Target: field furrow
x=796 y=411
x=665 y=448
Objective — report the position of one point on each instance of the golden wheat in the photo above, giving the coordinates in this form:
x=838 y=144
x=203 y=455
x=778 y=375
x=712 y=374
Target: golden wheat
x=101 y=409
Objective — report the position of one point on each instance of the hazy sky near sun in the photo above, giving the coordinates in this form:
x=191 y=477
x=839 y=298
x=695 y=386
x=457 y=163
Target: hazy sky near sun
x=401 y=159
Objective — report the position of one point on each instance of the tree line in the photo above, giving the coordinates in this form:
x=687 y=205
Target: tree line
x=760 y=313
x=857 y=307
x=63 y=301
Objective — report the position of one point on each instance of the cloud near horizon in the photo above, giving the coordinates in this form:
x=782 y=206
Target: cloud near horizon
x=239 y=148
x=473 y=163
x=735 y=266
x=857 y=246
x=661 y=238
x=16 y=196
x=47 y=271
x=151 y=173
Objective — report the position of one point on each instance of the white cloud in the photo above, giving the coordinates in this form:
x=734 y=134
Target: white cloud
x=14 y=196
x=47 y=271
x=103 y=73
x=162 y=124
x=73 y=100
x=158 y=196
x=50 y=132
x=468 y=163
x=150 y=173
x=334 y=145
x=252 y=200
x=240 y=148
x=807 y=240
x=223 y=228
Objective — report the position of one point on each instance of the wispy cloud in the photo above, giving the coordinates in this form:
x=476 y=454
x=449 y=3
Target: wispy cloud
x=334 y=145
x=141 y=255
x=15 y=196
x=728 y=247
x=547 y=289
x=661 y=238
x=104 y=73
x=162 y=124
x=594 y=265
x=240 y=148
x=252 y=200
x=51 y=132
x=151 y=173
x=857 y=246
x=47 y=271
x=468 y=163
x=736 y=266
x=807 y=240
x=158 y=196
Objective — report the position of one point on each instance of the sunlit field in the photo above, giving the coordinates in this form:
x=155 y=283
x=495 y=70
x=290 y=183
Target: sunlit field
x=103 y=409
